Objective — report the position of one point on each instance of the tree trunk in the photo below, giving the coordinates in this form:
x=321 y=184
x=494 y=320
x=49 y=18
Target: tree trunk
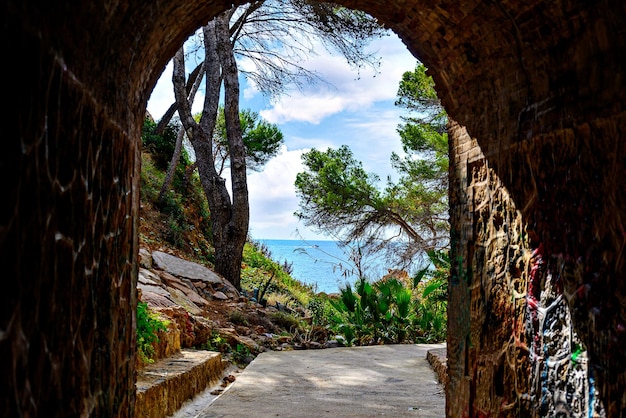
x=171 y=169
x=192 y=86
x=228 y=258
x=229 y=220
x=196 y=76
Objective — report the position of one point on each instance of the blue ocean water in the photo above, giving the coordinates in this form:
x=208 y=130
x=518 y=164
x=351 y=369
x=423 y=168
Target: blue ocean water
x=322 y=264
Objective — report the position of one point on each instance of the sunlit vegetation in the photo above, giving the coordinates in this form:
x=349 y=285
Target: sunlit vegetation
x=148 y=326
x=397 y=308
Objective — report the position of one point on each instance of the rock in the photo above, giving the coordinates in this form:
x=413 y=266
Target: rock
x=189 y=284
x=172 y=281
x=183 y=268
x=284 y=339
x=189 y=291
x=146 y=276
x=200 y=285
x=180 y=298
x=220 y=296
x=230 y=290
x=180 y=291
x=234 y=339
x=169 y=341
x=145 y=258
x=154 y=300
x=150 y=283
x=331 y=344
x=147 y=288
x=185 y=323
x=203 y=330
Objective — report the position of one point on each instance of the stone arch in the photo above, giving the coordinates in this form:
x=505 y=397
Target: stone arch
x=540 y=87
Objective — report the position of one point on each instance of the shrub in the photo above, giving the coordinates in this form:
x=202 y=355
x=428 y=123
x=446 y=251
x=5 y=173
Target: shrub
x=390 y=311
x=148 y=325
x=286 y=320
x=216 y=343
x=242 y=354
x=161 y=146
x=238 y=318
x=321 y=310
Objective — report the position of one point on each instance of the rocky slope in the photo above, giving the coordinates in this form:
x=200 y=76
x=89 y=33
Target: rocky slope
x=206 y=311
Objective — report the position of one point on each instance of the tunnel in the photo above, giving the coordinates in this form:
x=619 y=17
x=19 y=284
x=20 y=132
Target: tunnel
x=535 y=91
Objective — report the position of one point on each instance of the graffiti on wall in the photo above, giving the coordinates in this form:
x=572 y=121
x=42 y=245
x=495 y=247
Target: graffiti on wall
x=561 y=382
x=540 y=366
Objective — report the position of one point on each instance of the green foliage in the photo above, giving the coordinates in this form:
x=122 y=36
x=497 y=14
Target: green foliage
x=286 y=320
x=391 y=311
x=184 y=206
x=237 y=317
x=338 y=198
x=262 y=140
x=162 y=146
x=216 y=343
x=148 y=325
x=259 y=271
x=151 y=179
x=321 y=310
x=175 y=233
x=432 y=321
x=417 y=94
x=242 y=354
x=334 y=187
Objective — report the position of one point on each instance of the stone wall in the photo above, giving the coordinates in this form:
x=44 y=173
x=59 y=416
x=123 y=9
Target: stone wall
x=513 y=347
x=572 y=187
x=69 y=246
x=488 y=357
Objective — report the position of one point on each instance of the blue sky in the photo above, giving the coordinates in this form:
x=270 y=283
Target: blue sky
x=354 y=110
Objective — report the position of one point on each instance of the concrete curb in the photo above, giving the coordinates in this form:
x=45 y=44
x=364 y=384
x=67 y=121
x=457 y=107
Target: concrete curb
x=438 y=359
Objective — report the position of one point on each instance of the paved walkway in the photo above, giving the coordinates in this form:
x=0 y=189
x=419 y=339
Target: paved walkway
x=387 y=380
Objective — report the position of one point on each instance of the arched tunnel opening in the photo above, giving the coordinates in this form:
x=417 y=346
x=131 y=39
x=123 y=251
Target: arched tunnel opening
x=537 y=93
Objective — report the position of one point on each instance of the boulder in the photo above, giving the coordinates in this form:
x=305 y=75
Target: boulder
x=146 y=276
x=185 y=269
x=220 y=296
x=190 y=292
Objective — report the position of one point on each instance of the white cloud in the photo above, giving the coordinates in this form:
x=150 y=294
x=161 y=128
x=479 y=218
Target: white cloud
x=345 y=91
x=273 y=197
x=355 y=111
x=306 y=108
x=162 y=95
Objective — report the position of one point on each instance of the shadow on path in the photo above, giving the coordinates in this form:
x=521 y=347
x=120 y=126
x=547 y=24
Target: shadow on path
x=386 y=380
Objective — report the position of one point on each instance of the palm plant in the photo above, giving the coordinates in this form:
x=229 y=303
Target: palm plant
x=391 y=311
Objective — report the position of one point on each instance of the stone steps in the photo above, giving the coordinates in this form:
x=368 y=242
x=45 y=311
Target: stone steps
x=162 y=387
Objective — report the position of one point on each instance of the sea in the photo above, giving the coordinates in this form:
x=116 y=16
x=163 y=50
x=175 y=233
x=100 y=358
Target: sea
x=322 y=264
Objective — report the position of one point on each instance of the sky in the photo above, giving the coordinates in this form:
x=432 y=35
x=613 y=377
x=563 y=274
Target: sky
x=350 y=109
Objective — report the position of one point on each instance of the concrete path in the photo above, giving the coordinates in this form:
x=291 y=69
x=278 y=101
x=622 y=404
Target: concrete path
x=388 y=380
